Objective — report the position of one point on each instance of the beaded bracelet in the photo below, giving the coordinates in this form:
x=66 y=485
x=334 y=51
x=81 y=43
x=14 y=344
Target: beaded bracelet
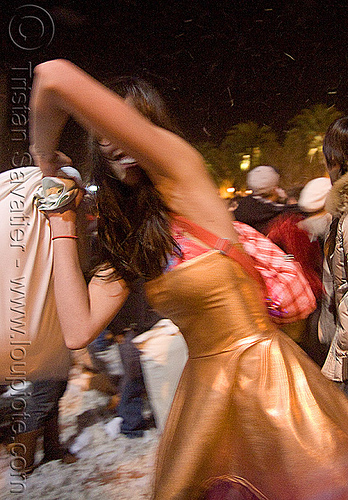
x=71 y=236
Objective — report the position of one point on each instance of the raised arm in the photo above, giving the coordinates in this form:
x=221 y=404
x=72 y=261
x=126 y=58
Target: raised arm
x=61 y=89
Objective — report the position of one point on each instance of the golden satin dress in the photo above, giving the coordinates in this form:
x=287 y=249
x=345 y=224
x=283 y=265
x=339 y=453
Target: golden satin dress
x=251 y=406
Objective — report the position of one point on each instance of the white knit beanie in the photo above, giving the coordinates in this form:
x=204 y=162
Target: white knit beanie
x=313 y=195
x=263 y=179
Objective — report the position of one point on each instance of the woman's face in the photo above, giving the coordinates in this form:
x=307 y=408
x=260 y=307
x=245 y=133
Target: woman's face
x=124 y=167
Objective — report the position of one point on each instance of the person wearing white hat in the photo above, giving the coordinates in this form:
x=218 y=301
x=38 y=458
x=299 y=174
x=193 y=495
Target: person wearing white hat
x=266 y=200
x=315 y=222
x=312 y=203
x=263 y=179
x=302 y=235
x=313 y=195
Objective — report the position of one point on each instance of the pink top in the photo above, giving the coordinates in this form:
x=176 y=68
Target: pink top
x=189 y=248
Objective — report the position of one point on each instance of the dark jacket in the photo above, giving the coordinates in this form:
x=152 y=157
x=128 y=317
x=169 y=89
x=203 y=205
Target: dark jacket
x=135 y=313
x=258 y=212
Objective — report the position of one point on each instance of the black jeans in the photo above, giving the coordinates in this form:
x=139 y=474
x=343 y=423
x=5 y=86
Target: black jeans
x=25 y=409
x=133 y=390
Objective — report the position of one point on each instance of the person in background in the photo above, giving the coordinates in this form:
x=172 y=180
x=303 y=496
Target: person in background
x=302 y=235
x=153 y=355
x=333 y=320
x=34 y=360
x=134 y=318
x=312 y=204
x=316 y=223
x=252 y=414
x=266 y=201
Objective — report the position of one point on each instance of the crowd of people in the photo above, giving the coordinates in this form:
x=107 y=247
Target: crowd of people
x=247 y=408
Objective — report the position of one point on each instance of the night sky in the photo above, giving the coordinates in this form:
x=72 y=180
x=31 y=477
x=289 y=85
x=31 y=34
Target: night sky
x=216 y=63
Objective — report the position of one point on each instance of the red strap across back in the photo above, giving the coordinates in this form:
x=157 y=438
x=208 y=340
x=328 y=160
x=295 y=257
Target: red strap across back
x=224 y=245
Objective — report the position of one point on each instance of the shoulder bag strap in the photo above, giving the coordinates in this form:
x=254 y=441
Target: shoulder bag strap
x=224 y=245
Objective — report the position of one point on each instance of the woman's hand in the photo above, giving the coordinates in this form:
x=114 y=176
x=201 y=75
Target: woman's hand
x=67 y=213
x=49 y=164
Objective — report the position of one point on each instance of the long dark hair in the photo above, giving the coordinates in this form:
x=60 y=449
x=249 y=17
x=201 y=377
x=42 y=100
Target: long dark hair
x=133 y=221
x=335 y=145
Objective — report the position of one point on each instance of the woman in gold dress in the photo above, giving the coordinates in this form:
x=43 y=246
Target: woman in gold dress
x=252 y=417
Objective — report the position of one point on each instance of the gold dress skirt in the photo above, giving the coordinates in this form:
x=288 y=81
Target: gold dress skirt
x=251 y=406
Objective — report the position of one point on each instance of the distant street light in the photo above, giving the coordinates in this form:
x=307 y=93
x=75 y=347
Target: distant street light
x=245 y=163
